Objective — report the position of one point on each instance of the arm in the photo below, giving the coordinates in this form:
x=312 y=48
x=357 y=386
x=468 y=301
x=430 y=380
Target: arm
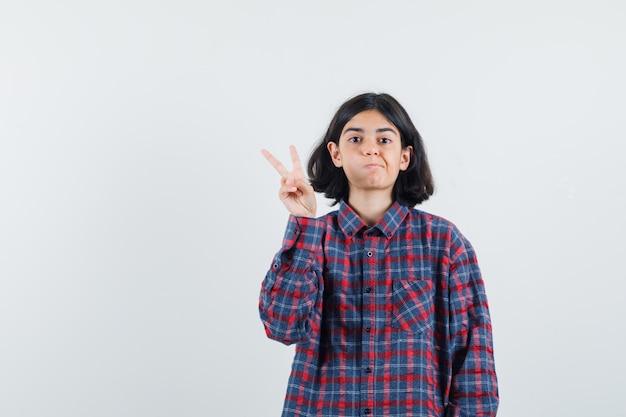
x=290 y=303
x=473 y=390
x=291 y=293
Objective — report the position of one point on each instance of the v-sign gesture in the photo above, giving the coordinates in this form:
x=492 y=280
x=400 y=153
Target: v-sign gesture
x=295 y=191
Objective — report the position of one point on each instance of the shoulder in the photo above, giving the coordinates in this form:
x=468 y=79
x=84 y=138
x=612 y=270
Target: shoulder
x=333 y=214
x=440 y=228
x=329 y=219
x=417 y=216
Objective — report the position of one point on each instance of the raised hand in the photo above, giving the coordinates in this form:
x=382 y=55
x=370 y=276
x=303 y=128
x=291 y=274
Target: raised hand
x=295 y=192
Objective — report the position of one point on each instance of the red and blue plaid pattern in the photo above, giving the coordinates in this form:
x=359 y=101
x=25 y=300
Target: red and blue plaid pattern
x=390 y=320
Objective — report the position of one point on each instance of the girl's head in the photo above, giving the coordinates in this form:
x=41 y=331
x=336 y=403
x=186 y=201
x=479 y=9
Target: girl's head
x=413 y=185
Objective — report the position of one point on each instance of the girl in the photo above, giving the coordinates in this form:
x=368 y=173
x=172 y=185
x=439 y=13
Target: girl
x=385 y=302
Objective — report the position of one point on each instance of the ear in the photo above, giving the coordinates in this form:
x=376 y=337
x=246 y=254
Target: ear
x=405 y=158
x=333 y=150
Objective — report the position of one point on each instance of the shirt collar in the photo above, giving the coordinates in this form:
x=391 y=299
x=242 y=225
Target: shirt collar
x=350 y=223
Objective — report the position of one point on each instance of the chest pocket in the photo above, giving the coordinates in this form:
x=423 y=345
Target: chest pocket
x=413 y=305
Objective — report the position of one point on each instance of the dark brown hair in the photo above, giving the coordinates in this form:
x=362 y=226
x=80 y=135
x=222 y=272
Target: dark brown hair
x=413 y=186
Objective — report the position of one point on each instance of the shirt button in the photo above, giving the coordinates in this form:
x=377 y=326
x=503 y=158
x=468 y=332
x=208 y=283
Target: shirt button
x=369 y=253
x=368 y=290
x=368 y=329
x=368 y=370
x=367 y=411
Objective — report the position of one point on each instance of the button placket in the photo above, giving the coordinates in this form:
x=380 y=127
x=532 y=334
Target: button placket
x=368 y=316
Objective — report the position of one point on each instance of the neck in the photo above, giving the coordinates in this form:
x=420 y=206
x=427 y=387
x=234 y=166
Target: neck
x=370 y=207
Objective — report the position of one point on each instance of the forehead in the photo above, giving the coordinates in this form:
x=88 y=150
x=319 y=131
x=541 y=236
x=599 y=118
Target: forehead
x=369 y=120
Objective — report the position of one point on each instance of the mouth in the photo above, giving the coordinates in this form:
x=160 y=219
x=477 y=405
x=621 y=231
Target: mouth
x=372 y=166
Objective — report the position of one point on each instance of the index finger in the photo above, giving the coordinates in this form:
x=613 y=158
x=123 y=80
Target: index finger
x=295 y=161
x=275 y=163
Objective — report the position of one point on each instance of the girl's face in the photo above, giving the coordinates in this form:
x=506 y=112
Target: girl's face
x=370 y=153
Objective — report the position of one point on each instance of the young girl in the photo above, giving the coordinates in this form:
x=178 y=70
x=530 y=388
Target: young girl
x=385 y=302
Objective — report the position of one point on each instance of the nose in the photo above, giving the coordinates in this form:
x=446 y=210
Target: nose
x=371 y=148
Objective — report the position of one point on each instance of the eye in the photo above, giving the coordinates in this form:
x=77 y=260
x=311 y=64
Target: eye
x=385 y=140
x=354 y=139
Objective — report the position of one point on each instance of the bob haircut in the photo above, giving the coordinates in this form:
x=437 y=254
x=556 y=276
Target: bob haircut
x=413 y=186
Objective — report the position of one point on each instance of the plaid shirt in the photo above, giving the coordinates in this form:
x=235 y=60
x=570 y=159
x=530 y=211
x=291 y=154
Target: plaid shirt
x=390 y=320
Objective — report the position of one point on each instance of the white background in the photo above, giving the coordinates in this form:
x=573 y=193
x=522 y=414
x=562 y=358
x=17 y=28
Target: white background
x=138 y=218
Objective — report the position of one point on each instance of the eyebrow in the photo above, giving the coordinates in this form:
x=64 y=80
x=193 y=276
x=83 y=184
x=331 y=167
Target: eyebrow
x=360 y=130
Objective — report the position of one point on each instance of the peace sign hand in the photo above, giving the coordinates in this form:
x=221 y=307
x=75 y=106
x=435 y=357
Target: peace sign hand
x=295 y=192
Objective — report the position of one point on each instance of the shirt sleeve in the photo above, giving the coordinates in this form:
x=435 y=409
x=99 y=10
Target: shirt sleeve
x=473 y=390
x=291 y=294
